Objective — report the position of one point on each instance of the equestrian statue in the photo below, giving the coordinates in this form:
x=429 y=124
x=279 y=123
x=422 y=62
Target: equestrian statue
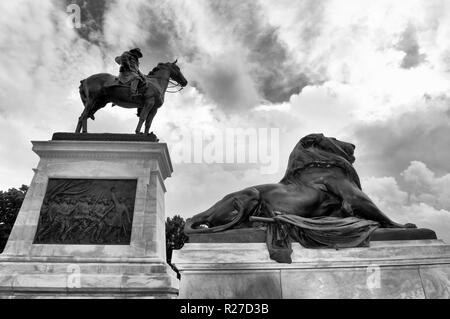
x=131 y=89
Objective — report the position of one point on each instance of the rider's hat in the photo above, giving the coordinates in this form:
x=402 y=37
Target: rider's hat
x=136 y=52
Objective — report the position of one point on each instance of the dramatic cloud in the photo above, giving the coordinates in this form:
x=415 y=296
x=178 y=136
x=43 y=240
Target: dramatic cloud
x=425 y=187
x=422 y=134
x=424 y=200
x=408 y=44
x=374 y=73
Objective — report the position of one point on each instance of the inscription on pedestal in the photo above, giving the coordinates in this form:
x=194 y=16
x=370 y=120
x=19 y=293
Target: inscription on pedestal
x=87 y=212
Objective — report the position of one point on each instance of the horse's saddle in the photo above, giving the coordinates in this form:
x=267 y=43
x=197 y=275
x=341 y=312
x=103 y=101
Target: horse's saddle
x=151 y=84
x=115 y=82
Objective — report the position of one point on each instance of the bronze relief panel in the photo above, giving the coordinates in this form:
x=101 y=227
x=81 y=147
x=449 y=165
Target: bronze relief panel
x=87 y=212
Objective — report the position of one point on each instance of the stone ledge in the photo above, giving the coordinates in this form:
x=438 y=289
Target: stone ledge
x=258 y=235
x=104 y=137
x=246 y=256
x=121 y=152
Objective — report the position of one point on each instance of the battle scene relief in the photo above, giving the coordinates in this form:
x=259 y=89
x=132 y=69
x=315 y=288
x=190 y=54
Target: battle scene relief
x=87 y=212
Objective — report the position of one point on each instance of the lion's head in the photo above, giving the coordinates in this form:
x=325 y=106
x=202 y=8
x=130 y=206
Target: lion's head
x=317 y=148
x=330 y=145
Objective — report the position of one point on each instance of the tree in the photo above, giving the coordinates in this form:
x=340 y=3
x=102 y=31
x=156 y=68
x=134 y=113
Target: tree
x=10 y=203
x=175 y=237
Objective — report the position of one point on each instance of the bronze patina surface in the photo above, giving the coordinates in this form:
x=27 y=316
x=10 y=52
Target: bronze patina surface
x=131 y=89
x=320 y=182
x=87 y=212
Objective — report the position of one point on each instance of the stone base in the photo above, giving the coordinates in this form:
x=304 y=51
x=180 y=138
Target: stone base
x=47 y=278
x=385 y=270
x=32 y=269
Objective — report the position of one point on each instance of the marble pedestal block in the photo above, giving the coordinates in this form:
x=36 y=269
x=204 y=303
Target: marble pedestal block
x=385 y=270
x=134 y=270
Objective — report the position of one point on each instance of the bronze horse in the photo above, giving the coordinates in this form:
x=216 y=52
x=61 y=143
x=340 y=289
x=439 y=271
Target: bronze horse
x=100 y=89
x=320 y=181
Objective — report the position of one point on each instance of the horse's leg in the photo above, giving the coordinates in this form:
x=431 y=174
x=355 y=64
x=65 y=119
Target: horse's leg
x=89 y=107
x=79 y=125
x=148 y=122
x=148 y=105
x=84 y=121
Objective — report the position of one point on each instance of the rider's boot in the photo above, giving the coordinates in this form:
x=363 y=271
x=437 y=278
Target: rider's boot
x=134 y=88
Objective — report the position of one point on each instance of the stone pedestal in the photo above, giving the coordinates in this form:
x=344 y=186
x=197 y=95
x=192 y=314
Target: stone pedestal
x=137 y=269
x=385 y=270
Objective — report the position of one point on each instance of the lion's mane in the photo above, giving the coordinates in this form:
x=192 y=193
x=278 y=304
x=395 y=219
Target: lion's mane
x=322 y=151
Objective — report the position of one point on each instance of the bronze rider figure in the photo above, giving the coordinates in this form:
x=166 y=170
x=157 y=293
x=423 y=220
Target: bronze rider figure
x=129 y=73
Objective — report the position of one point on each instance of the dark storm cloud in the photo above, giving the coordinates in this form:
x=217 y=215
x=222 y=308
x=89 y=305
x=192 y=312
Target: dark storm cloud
x=254 y=66
x=390 y=146
x=410 y=46
x=275 y=77
x=223 y=82
x=162 y=36
x=259 y=69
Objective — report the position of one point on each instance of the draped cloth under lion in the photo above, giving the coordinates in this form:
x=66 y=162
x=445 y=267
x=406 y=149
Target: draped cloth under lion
x=321 y=232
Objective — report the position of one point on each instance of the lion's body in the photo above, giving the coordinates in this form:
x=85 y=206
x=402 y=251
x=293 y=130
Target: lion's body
x=292 y=199
x=320 y=181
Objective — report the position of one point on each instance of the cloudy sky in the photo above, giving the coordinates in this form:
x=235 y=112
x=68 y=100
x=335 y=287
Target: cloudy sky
x=374 y=73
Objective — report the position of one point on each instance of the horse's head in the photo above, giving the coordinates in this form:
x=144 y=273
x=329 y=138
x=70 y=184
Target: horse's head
x=175 y=73
x=174 y=70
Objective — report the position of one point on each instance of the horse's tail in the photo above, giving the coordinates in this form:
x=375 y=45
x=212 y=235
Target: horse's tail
x=83 y=93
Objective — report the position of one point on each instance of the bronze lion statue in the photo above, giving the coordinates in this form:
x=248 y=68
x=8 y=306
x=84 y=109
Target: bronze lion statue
x=320 y=182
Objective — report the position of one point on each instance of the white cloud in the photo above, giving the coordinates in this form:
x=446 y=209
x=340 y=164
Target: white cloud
x=426 y=187
x=385 y=192
x=424 y=200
